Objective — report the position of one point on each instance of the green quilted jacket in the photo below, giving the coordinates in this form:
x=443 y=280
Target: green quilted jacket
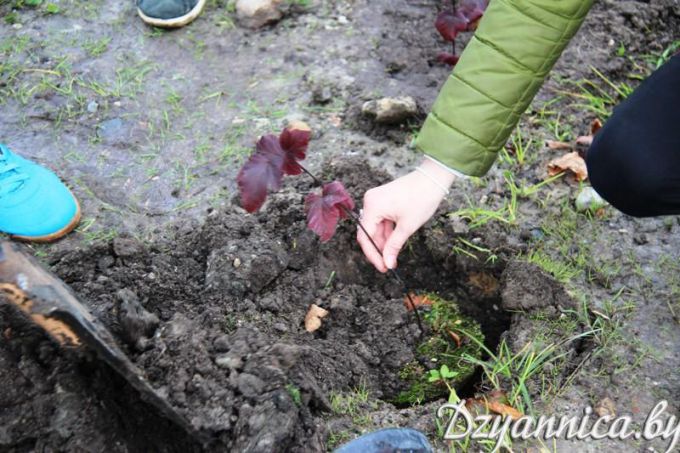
x=502 y=68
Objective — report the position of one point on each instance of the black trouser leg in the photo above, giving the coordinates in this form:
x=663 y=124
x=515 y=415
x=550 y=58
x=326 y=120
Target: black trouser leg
x=634 y=161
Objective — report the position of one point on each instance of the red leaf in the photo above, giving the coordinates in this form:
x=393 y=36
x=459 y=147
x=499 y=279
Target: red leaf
x=294 y=144
x=325 y=210
x=273 y=157
x=449 y=25
x=262 y=172
x=448 y=58
x=466 y=16
x=471 y=10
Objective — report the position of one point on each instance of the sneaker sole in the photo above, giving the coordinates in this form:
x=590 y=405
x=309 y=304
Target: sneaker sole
x=54 y=236
x=175 y=22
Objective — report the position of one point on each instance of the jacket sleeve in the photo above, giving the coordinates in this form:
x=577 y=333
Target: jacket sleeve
x=504 y=65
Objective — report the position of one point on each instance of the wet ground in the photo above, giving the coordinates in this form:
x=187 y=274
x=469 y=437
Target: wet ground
x=149 y=129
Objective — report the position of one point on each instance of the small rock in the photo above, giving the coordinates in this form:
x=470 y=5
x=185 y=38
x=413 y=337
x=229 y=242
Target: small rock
x=127 y=247
x=237 y=263
x=258 y=13
x=114 y=132
x=105 y=262
x=605 y=407
x=229 y=362
x=322 y=94
x=458 y=225
x=280 y=327
x=640 y=239
x=250 y=385
x=589 y=200
x=92 y=107
x=222 y=343
x=137 y=324
x=391 y=110
x=179 y=326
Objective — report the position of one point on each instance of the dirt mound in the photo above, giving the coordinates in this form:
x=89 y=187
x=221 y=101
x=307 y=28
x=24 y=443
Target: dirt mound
x=214 y=317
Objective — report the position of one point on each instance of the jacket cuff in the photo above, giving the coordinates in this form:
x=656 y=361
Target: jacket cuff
x=454 y=149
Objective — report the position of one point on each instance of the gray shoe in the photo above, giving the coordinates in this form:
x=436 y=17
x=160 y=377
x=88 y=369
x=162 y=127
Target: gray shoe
x=169 y=13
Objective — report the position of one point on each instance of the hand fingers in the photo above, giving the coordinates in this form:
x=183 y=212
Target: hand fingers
x=394 y=244
x=389 y=229
x=374 y=227
x=383 y=231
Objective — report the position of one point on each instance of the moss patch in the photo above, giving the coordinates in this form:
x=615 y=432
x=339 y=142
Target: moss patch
x=441 y=348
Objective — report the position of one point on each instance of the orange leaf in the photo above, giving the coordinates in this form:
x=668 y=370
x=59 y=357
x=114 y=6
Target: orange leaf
x=313 y=317
x=486 y=283
x=455 y=337
x=494 y=402
x=418 y=301
x=595 y=126
x=504 y=409
x=571 y=162
x=552 y=144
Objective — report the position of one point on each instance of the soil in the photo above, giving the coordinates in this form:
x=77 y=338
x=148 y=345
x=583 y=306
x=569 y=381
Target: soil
x=209 y=302
x=226 y=343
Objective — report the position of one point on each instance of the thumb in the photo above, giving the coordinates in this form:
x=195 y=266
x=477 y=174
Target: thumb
x=394 y=244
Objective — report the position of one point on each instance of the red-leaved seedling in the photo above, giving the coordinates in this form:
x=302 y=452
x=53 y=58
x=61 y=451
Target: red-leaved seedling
x=273 y=157
x=325 y=210
x=463 y=17
x=276 y=156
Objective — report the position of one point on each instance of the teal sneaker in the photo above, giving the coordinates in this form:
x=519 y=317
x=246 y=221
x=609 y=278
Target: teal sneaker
x=34 y=204
x=169 y=13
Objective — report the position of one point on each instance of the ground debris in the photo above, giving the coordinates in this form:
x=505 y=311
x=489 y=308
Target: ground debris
x=391 y=110
x=313 y=318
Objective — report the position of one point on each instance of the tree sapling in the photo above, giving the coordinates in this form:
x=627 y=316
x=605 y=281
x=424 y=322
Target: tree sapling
x=462 y=17
x=277 y=156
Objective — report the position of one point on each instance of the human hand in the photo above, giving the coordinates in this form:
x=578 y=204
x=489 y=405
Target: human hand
x=394 y=211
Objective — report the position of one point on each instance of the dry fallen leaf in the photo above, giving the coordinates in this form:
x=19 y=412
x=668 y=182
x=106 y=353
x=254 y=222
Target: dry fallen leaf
x=494 y=402
x=418 y=301
x=605 y=407
x=504 y=409
x=595 y=126
x=313 y=317
x=587 y=140
x=552 y=144
x=455 y=337
x=486 y=283
x=571 y=162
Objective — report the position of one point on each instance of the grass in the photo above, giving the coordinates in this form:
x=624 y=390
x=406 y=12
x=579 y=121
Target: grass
x=511 y=371
x=519 y=149
x=563 y=251
x=350 y=403
x=294 y=393
x=442 y=348
x=96 y=48
x=478 y=216
x=562 y=271
x=601 y=94
x=471 y=250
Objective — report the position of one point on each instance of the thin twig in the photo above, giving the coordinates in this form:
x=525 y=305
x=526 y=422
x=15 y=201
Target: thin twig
x=393 y=272
x=453 y=10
